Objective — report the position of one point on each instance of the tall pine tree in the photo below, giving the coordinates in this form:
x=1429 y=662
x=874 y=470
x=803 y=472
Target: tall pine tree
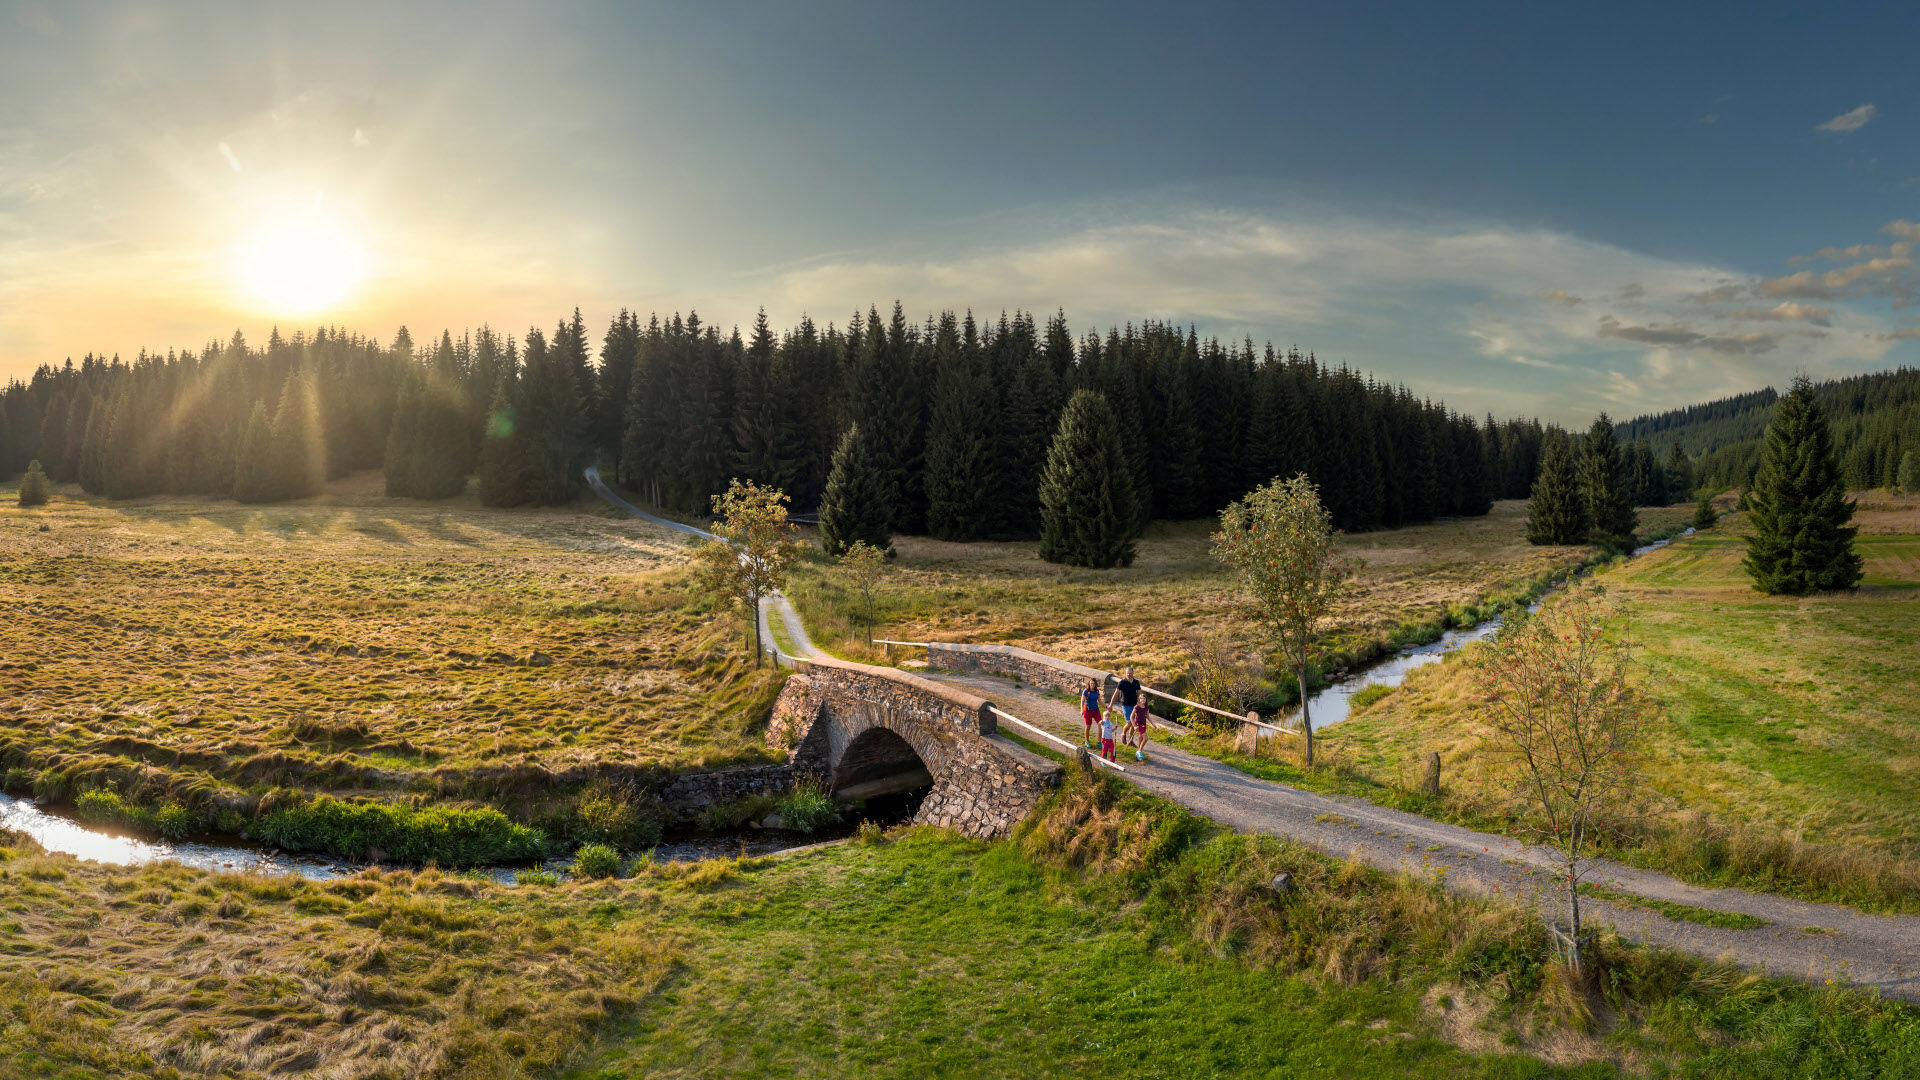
x=1801 y=542
x=1087 y=511
x=858 y=504
x=1556 y=513
x=1603 y=488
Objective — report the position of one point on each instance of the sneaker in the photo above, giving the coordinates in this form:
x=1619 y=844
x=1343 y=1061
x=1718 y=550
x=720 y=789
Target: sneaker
x=1139 y=755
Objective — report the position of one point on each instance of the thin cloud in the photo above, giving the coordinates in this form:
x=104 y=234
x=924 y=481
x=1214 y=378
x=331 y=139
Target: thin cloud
x=1788 y=311
x=1683 y=338
x=1850 y=121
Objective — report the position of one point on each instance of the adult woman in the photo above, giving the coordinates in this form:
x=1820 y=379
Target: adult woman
x=1090 y=708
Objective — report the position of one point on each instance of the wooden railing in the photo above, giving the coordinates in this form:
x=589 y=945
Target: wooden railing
x=1051 y=737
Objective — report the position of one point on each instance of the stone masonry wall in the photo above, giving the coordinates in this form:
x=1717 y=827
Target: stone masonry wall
x=991 y=786
x=1013 y=662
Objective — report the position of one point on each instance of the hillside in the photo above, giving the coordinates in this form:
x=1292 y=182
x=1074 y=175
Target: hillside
x=1876 y=418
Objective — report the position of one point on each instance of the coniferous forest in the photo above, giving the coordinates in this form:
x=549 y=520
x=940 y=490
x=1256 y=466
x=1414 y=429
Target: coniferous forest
x=958 y=417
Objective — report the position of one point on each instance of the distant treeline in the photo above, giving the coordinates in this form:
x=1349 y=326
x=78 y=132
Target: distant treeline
x=962 y=415
x=1875 y=421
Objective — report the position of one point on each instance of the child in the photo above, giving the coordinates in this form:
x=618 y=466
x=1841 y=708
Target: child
x=1106 y=737
x=1090 y=707
x=1140 y=731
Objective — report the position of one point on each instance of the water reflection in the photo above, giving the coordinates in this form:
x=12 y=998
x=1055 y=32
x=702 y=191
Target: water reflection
x=1335 y=703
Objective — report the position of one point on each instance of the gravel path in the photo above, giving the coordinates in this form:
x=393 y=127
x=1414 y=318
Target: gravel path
x=1814 y=942
x=775 y=606
x=1809 y=941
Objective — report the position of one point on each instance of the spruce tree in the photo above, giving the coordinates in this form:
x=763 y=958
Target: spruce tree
x=1603 y=487
x=1087 y=511
x=403 y=441
x=506 y=471
x=1556 y=514
x=53 y=433
x=960 y=450
x=254 y=480
x=1679 y=479
x=1704 y=516
x=34 y=488
x=1906 y=478
x=298 y=454
x=858 y=504
x=1801 y=542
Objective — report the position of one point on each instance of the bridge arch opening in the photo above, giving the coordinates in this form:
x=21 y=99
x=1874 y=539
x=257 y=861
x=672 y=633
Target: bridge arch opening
x=881 y=766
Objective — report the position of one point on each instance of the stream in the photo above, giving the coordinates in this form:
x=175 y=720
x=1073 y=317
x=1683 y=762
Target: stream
x=56 y=831
x=1335 y=703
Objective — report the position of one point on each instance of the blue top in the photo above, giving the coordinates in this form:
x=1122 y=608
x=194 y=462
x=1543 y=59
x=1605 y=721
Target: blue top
x=1090 y=699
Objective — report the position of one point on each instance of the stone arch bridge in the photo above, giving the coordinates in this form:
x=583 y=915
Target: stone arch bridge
x=863 y=731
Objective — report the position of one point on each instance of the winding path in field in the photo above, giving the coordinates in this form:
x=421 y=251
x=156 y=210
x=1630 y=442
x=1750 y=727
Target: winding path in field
x=1803 y=940
x=772 y=607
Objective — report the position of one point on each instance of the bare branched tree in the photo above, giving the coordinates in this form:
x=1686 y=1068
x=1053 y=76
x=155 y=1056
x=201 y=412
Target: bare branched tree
x=1570 y=719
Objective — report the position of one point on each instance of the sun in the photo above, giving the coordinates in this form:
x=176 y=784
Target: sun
x=302 y=264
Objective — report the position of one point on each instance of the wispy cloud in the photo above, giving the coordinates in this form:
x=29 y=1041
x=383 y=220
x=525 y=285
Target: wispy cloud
x=1849 y=121
x=1530 y=320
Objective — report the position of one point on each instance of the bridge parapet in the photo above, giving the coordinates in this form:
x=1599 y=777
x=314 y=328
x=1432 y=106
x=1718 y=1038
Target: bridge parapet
x=851 y=726
x=1013 y=662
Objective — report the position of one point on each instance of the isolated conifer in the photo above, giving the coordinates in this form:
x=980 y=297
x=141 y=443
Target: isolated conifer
x=253 y=477
x=1906 y=479
x=1556 y=514
x=1087 y=511
x=1801 y=542
x=858 y=504
x=1704 y=516
x=34 y=488
x=1603 y=487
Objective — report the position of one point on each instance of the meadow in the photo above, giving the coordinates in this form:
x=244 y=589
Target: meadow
x=1115 y=935
x=1414 y=582
x=205 y=654
x=1788 y=753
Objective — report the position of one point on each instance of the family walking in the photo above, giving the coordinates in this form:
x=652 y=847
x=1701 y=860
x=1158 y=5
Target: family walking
x=1133 y=716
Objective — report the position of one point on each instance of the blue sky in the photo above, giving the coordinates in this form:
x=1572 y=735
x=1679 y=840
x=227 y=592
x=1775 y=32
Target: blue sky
x=1525 y=208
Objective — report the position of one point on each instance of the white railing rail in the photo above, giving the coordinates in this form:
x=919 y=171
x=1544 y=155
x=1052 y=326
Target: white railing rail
x=1247 y=719
x=1051 y=737
x=909 y=644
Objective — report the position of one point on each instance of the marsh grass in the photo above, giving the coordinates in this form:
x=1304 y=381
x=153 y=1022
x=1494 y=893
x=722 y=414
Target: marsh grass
x=1416 y=580
x=200 y=654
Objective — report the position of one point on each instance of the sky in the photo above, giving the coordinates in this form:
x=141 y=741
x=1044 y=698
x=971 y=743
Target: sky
x=1530 y=209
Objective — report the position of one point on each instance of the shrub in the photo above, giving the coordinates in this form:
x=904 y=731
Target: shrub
x=606 y=816
x=455 y=836
x=34 y=488
x=721 y=816
x=596 y=861
x=808 y=807
x=871 y=835
x=173 y=821
x=1369 y=694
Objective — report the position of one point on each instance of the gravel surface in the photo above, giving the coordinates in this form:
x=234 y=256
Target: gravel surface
x=1809 y=941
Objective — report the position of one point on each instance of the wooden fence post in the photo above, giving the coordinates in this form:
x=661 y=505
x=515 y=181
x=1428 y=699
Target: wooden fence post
x=1431 y=782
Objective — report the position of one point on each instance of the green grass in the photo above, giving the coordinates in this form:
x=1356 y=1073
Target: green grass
x=1730 y=920
x=1790 y=740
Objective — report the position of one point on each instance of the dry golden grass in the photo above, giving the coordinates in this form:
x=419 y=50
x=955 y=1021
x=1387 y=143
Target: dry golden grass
x=1145 y=614
x=112 y=971
x=353 y=641
x=1792 y=724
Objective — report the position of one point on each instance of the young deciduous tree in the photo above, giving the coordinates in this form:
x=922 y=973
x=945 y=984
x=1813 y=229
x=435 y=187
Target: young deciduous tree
x=754 y=551
x=34 y=489
x=1801 y=542
x=1088 y=516
x=1279 y=541
x=1569 y=725
x=865 y=565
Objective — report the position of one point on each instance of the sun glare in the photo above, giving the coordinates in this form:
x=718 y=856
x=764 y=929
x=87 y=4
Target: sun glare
x=301 y=265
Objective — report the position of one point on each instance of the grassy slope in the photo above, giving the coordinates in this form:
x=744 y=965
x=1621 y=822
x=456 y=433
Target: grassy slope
x=355 y=642
x=1146 y=614
x=1117 y=937
x=1794 y=716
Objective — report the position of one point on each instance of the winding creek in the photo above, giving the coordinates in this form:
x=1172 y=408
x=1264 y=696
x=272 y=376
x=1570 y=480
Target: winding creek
x=56 y=830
